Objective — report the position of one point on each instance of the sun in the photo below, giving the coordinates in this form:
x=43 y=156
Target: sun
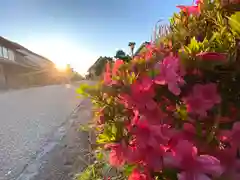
x=62 y=51
x=60 y=66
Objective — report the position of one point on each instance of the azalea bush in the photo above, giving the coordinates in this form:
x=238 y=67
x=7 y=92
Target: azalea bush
x=172 y=113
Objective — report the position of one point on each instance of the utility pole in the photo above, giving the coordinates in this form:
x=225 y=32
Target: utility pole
x=132 y=46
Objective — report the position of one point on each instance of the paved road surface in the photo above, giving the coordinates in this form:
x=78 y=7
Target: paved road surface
x=28 y=117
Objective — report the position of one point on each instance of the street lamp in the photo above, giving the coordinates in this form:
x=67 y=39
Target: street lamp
x=132 y=46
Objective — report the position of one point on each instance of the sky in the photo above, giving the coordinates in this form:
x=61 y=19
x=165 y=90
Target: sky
x=77 y=32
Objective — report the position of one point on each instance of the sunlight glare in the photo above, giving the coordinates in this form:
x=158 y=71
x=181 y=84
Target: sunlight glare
x=60 y=66
x=63 y=52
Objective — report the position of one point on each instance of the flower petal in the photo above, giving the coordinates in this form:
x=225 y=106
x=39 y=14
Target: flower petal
x=188 y=176
x=210 y=165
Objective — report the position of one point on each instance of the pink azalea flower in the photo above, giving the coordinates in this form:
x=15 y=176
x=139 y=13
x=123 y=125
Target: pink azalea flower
x=148 y=157
x=194 y=166
x=100 y=117
x=117 y=154
x=170 y=74
x=133 y=154
x=154 y=161
x=195 y=72
x=153 y=114
x=212 y=56
x=136 y=117
x=118 y=63
x=196 y=105
x=151 y=49
x=235 y=134
x=146 y=83
x=208 y=92
x=107 y=75
x=202 y=98
x=194 y=10
x=185 y=176
x=198 y=2
x=138 y=175
x=100 y=120
x=230 y=163
x=149 y=143
x=188 y=133
x=150 y=135
x=140 y=97
x=107 y=178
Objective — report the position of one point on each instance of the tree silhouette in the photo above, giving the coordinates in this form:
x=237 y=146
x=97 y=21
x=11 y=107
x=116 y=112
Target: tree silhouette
x=120 y=54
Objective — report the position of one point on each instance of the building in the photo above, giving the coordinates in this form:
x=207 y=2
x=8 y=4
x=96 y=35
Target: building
x=20 y=67
x=99 y=66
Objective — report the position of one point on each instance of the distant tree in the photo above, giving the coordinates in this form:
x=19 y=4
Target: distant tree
x=77 y=77
x=88 y=76
x=69 y=70
x=120 y=54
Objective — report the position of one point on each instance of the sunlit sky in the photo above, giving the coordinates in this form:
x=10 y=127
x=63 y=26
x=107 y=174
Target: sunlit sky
x=79 y=31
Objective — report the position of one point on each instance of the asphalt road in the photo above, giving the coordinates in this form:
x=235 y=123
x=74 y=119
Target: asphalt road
x=28 y=118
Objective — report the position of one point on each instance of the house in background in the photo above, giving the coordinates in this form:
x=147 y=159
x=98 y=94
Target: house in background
x=98 y=67
x=20 y=67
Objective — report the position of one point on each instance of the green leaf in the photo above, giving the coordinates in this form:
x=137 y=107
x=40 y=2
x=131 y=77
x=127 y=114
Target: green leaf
x=170 y=174
x=194 y=46
x=82 y=90
x=84 y=127
x=132 y=77
x=234 y=22
x=182 y=112
x=109 y=134
x=219 y=17
x=128 y=169
x=106 y=168
x=109 y=100
x=114 y=129
x=214 y=36
x=86 y=174
x=223 y=30
x=99 y=155
x=199 y=128
x=187 y=50
x=102 y=138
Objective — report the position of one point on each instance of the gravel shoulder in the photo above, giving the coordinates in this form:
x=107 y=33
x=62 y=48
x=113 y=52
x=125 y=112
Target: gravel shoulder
x=65 y=154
